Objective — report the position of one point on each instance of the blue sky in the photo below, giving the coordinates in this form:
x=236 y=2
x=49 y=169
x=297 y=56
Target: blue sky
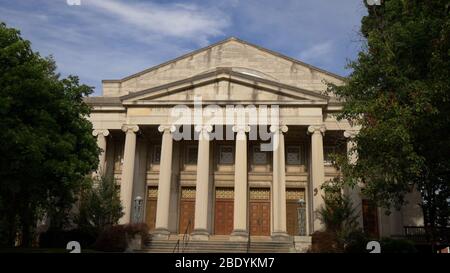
x=110 y=39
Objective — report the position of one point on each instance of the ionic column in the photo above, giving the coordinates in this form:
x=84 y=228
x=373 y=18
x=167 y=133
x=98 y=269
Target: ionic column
x=240 y=227
x=353 y=193
x=202 y=185
x=165 y=174
x=279 y=183
x=101 y=143
x=317 y=172
x=126 y=183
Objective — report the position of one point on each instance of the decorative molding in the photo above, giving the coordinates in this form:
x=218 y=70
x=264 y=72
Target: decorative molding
x=152 y=192
x=260 y=194
x=203 y=128
x=97 y=132
x=224 y=193
x=188 y=192
x=295 y=194
x=241 y=128
x=314 y=129
x=278 y=128
x=130 y=128
x=165 y=128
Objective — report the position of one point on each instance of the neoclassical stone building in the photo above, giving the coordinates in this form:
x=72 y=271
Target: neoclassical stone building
x=233 y=186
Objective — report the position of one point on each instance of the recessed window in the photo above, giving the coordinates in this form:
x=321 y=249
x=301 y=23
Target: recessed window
x=191 y=154
x=226 y=155
x=293 y=155
x=327 y=152
x=156 y=154
x=259 y=157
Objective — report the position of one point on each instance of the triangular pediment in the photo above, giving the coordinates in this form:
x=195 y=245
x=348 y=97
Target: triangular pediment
x=231 y=52
x=224 y=86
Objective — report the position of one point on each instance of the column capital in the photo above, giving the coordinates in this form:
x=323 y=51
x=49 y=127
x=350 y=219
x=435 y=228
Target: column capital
x=278 y=128
x=203 y=128
x=241 y=128
x=130 y=128
x=104 y=132
x=166 y=128
x=350 y=134
x=315 y=129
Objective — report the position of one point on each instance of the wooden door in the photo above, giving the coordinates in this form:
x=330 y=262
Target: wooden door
x=224 y=211
x=370 y=219
x=292 y=210
x=150 y=211
x=187 y=210
x=292 y=217
x=259 y=212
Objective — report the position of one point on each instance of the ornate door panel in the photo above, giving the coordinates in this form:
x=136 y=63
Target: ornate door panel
x=292 y=210
x=224 y=211
x=187 y=210
x=150 y=211
x=223 y=224
x=259 y=212
x=292 y=217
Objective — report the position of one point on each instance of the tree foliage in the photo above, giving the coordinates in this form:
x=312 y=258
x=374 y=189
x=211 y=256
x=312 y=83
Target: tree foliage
x=338 y=216
x=46 y=143
x=399 y=93
x=100 y=205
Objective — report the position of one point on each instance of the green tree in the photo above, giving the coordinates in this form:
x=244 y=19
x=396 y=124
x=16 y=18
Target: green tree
x=46 y=143
x=100 y=205
x=338 y=216
x=399 y=93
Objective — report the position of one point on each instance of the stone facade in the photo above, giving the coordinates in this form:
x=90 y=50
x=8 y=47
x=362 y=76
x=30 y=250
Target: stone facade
x=229 y=186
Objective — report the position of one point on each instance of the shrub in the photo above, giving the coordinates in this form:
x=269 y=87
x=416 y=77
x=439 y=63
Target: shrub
x=339 y=219
x=389 y=245
x=356 y=242
x=325 y=242
x=100 y=205
x=137 y=229
x=115 y=238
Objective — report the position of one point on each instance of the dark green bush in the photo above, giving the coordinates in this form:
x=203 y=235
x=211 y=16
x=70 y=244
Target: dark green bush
x=325 y=242
x=114 y=238
x=356 y=242
x=389 y=245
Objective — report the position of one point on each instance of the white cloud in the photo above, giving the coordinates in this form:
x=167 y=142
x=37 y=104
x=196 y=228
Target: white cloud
x=317 y=52
x=174 y=20
x=110 y=39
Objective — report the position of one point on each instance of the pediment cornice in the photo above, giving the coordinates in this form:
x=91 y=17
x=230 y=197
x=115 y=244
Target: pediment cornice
x=295 y=94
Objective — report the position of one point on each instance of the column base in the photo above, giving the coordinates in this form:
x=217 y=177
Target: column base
x=160 y=234
x=200 y=235
x=239 y=235
x=280 y=236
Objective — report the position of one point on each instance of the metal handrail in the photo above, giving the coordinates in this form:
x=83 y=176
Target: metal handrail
x=248 y=244
x=177 y=245
x=185 y=235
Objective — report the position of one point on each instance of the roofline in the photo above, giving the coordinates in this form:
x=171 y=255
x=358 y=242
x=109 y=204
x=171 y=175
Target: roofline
x=215 y=73
x=216 y=44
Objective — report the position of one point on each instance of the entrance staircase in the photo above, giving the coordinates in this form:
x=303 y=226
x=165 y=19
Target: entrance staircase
x=217 y=244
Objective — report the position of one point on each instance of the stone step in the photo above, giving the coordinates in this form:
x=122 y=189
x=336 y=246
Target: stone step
x=218 y=244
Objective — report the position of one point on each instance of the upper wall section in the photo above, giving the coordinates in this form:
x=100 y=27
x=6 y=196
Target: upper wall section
x=234 y=53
